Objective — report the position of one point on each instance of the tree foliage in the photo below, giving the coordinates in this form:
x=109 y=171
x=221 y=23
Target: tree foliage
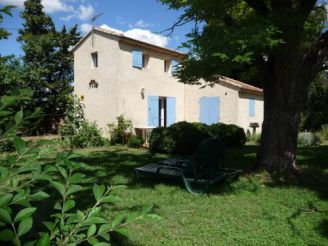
x=48 y=60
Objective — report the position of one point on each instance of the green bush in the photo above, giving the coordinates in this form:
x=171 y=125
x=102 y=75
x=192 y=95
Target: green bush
x=323 y=134
x=118 y=131
x=135 y=142
x=256 y=138
x=183 y=138
x=31 y=181
x=76 y=131
x=232 y=135
x=307 y=139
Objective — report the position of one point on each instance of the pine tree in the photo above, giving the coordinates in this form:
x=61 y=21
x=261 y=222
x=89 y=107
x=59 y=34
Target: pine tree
x=48 y=62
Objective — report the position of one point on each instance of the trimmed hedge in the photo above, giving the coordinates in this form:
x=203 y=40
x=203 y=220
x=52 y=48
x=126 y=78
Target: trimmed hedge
x=183 y=138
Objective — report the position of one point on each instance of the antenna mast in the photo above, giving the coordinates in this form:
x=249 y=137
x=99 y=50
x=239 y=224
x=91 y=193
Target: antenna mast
x=93 y=19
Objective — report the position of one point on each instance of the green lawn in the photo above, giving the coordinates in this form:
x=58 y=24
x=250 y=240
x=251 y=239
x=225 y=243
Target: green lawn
x=247 y=212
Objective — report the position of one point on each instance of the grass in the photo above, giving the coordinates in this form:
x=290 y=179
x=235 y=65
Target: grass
x=251 y=211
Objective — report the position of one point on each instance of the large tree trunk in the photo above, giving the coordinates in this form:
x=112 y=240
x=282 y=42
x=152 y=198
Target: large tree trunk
x=285 y=93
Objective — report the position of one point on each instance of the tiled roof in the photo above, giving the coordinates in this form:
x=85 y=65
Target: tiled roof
x=241 y=85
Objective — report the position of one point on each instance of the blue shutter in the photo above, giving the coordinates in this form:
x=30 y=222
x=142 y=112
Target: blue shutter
x=251 y=106
x=170 y=111
x=137 y=59
x=153 y=111
x=214 y=109
x=174 y=67
x=204 y=110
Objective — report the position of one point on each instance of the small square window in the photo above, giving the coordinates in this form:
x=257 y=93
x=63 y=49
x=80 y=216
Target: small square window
x=145 y=60
x=94 y=58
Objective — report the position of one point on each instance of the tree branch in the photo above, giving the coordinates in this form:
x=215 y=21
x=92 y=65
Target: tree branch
x=183 y=19
x=259 y=6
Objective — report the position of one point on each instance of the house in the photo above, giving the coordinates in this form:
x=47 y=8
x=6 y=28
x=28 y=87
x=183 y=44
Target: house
x=117 y=75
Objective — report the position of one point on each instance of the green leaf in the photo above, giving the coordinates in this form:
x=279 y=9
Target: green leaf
x=58 y=186
x=118 y=220
x=25 y=226
x=20 y=145
x=6 y=235
x=40 y=195
x=111 y=199
x=26 y=212
x=62 y=171
x=104 y=228
x=105 y=236
x=93 y=241
x=91 y=230
x=19 y=117
x=123 y=231
x=5 y=216
x=102 y=244
x=68 y=205
x=76 y=178
x=5 y=199
x=44 y=240
x=147 y=208
x=98 y=191
x=94 y=220
x=74 y=188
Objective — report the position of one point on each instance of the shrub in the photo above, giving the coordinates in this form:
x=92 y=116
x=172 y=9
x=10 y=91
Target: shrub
x=256 y=138
x=118 y=131
x=232 y=135
x=307 y=139
x=27 y=178
x=323 y=134
x=135 y=142
x=183 y=138
x=87 y=136
x=76 y=131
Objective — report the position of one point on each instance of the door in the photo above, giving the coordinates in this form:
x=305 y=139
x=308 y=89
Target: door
x=153 y=111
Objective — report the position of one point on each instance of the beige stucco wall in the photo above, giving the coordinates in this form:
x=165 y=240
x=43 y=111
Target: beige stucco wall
x=243 y=111
x=120 y=86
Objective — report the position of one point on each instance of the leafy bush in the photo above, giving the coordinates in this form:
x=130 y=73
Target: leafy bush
x=118 y=131
x=307 y=139
x=28 y=177
x=76 y=131
x=323 y=134
x=233 y=135
x=256 y=138
x=135 y=142
x=183 y=137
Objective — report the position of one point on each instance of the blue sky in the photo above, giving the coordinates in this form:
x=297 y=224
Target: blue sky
x=139 y=19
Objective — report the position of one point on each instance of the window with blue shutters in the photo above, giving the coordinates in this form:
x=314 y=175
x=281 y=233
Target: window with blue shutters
x=209 y=110
x=161 y=111
x=137 y=59
x=251 y=107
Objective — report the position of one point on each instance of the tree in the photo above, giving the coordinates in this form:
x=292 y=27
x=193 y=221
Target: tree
x=315 y=113
x=284 y=39
x=48 y=62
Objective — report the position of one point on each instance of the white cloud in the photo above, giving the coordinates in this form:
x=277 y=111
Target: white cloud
x=140 y=24
x=50 y=6
x=85 y=12
x=147 y=36
x=85 y=28
x=104 y=26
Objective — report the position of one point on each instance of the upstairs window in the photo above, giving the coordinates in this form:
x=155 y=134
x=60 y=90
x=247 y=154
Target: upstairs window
x=94 y=58
x=145 y=60
x=251 y=107
x=174 y=67
x=137 y=59
x=167 y=65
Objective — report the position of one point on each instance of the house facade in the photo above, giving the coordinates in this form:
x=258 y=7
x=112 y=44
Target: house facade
x=117 y=75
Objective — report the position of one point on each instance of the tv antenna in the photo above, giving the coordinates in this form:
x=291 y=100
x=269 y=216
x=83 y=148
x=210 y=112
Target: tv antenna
x=93 y=19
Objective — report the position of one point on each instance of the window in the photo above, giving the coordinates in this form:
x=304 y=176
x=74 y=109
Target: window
x=137 y=59
x=94 y=58
x=209 y=110
x=175 y=66
x=145 y=60
x=167 y=65
x=251 y=107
